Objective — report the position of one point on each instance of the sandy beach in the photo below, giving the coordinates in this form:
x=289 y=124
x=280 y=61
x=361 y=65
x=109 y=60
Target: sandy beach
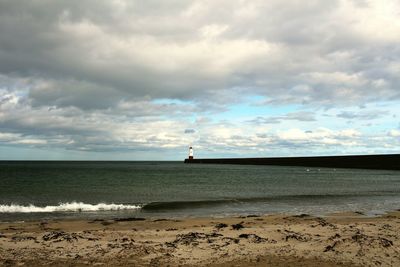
x=347 y=239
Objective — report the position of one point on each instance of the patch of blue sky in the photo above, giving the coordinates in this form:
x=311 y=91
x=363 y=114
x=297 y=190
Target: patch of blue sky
x=251 y=107
x=21 y=93
x=171 y=101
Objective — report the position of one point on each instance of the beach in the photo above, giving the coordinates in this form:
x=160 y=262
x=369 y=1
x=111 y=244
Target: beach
x=342 y=239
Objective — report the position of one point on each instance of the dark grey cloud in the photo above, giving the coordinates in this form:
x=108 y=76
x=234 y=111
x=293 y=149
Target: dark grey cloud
x=189 y=131
x=190 y=50
x=363 y=115
x=265 y=120
x=303 y=116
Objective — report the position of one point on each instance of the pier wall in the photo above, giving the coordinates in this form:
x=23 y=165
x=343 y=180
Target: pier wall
x=382 y=162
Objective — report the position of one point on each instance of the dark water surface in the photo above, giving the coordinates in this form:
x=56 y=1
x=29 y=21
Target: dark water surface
x=37 y=190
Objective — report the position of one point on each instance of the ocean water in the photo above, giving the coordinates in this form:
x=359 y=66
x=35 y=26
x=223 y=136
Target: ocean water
x=64 y=189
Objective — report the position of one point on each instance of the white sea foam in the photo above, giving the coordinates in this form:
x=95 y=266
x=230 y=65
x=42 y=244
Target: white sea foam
x=71 y=207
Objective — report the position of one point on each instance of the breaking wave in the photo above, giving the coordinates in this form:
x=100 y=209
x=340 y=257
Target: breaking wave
x=66 y=207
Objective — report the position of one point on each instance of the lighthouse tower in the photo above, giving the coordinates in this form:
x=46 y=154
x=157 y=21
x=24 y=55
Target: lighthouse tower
x=190 y=152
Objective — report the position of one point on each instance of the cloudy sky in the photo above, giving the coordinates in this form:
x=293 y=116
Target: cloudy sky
x=134 y=80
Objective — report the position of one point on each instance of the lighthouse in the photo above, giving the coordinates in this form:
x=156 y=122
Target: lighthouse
x=190 y=152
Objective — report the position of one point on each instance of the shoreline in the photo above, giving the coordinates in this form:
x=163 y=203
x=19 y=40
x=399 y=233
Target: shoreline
x=180 y=217
x=94 y=215
x=340 y=239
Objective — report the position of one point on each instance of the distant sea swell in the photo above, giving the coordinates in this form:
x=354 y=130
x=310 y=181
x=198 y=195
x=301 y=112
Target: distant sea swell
x=180 y=205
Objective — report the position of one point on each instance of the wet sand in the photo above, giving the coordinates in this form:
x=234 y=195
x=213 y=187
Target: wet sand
x=347 y=239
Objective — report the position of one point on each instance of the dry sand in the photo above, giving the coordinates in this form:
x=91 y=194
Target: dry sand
x=277 y=240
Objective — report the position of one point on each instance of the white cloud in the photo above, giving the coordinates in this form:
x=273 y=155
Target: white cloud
x=394 y=133
x=349 y=133
x=213 y=30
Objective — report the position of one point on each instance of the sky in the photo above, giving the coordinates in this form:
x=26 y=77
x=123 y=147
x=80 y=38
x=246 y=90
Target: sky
x=144 y=80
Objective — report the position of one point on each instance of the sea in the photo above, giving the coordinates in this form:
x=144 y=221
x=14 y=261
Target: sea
x=40 y=190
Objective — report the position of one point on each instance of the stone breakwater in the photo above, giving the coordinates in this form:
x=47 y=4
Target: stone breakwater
x=378 y=162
